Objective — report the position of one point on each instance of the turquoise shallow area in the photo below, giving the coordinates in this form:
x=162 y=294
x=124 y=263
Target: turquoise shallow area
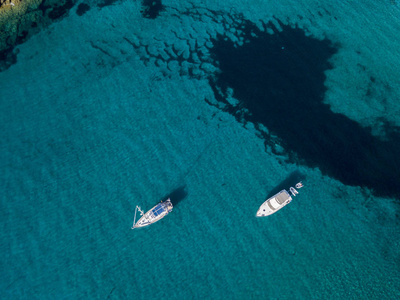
x=90 y=129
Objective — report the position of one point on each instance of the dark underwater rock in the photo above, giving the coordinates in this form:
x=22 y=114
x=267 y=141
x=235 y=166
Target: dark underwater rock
x=152 y=8
x=82 y=9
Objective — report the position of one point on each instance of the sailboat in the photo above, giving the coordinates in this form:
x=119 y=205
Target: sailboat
x=153 y=215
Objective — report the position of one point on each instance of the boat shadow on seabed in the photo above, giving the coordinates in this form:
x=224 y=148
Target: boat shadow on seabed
x=291 y=180
x=177 y=195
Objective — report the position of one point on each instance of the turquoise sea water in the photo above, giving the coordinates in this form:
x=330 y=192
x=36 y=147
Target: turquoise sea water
x=122 y=106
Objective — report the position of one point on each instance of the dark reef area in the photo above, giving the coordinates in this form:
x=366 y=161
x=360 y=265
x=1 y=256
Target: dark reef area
x=82 y=9
x=279 y=81
x=152 y=8
x=277 y=74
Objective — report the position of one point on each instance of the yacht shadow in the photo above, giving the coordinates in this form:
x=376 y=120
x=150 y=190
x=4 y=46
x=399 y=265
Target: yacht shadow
x=291 y=180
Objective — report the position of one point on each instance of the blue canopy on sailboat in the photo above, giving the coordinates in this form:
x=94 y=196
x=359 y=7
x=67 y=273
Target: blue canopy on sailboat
x=159 y=209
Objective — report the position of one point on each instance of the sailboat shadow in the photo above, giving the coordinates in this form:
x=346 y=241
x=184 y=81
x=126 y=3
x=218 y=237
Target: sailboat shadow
x=177 y=195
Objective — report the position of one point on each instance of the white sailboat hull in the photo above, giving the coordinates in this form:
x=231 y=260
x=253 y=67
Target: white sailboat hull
x=155 y=214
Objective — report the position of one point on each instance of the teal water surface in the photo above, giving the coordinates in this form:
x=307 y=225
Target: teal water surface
x=113 y=109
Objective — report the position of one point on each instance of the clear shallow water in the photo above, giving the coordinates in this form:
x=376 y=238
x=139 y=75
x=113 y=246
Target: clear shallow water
x=94 y=125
